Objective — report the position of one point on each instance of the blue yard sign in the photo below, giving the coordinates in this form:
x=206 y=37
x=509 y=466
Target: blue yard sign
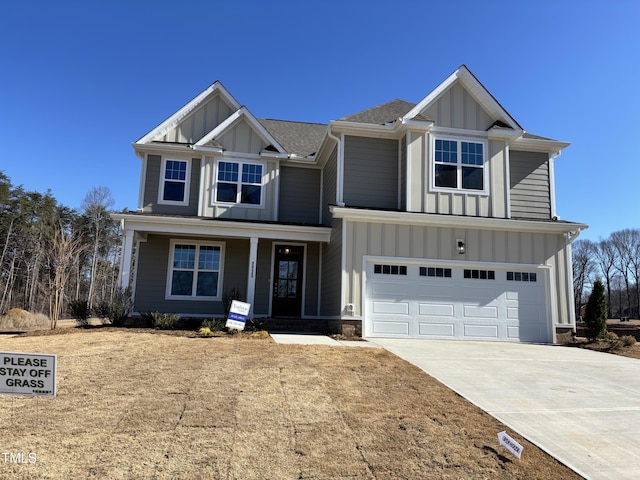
x=238 y=314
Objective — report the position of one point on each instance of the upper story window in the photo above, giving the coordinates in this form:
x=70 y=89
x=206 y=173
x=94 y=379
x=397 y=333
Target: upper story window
x=239 y=183
x=174 y=182
x=459 y=165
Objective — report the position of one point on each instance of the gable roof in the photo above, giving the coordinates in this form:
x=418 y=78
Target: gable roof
x=177 y=117
x=475 y=88
x=242 y=113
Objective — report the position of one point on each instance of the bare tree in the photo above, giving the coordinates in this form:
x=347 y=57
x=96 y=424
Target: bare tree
x=583 y=269
x=62 y=259
x=95 y=207
x=605 y=256
x=621 y=241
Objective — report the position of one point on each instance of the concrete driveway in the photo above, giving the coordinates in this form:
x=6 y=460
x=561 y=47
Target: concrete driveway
x=582 y=407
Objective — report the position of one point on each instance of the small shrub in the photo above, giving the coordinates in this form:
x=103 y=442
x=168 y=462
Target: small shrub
x=255 y=325
x=205 y=332
x=80 y=311
x=18 y=319
x=612 y=339
x=215 y=325
x=628 y=340
x=164 y=321
x=259 y=334
x=121 y=307
x=102 y=311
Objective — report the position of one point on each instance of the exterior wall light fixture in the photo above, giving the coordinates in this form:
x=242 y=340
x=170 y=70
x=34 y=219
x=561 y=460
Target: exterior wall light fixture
x=461 y=246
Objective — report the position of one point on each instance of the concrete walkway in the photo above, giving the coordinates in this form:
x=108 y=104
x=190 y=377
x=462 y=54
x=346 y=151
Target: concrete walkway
x=580 y=406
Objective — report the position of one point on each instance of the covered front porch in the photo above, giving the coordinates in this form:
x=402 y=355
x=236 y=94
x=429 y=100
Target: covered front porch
x=272 y=266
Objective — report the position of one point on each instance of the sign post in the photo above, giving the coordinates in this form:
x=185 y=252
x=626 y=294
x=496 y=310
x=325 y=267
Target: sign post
x=510 y=444
x=238 y=314
x=28 y=374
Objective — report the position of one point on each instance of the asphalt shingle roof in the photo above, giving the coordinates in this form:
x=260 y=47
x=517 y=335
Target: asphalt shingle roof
x=296 y=137
x=381 y=114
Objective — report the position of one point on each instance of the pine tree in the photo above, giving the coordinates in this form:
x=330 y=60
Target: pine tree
x=595 y=316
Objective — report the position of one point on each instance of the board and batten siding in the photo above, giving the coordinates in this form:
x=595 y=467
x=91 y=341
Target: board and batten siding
x=199 y=122
x=530 y=185
x=456 y=108
x=152 y=187
x=242 y=138
x=423 y=198
x=299 y=195
x=370 y=172
x=415 y=243
x=237 y=211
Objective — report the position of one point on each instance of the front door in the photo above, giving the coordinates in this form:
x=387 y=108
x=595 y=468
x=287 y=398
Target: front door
x=287 y=285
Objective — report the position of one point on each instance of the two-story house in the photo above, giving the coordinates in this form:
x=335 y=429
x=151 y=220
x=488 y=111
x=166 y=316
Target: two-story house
x=428 y=220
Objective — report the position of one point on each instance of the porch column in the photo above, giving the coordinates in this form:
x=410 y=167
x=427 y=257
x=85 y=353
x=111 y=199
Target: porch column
x=251 y=282
x=126 y=259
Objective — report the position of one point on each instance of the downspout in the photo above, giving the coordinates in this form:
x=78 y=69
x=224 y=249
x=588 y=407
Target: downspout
x=339 y=202
x=552 y=182
x=339 y=167
x=571 y=237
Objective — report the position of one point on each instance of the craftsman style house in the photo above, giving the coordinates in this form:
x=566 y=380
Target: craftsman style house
x=433 y=219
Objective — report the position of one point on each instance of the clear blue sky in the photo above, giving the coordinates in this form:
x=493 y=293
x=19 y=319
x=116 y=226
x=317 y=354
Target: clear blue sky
x=81 y=80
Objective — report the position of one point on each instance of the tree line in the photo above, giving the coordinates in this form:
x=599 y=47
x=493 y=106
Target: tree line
x=615 y=261
x=51 y=254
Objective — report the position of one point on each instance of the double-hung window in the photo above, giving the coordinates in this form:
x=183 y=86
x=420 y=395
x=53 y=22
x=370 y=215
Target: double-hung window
x=239 y=183
x=195 y=270
x=174 y=182
x=459 y=164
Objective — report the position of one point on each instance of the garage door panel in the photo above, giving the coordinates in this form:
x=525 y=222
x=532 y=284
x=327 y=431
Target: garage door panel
x=436 y=329
x=391 y=308
x=443 y=292
x=390 y=289
x=473 y=311
x=481 y=331
x=391 y=328
x=513 y=313
x=513 y=332
x=479 y=292
x=435 y=310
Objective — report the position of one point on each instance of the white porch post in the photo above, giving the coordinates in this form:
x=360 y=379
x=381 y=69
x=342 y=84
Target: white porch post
x=251 y=281
x=126 y=260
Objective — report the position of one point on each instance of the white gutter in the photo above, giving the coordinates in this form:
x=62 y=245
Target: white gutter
x=339 y=165
x=457 y=221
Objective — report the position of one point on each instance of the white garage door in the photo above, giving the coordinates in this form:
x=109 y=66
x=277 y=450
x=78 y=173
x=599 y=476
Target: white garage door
x=455 y=302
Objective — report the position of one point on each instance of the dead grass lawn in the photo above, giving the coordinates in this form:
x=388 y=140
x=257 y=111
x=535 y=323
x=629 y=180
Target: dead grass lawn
x=141 y=405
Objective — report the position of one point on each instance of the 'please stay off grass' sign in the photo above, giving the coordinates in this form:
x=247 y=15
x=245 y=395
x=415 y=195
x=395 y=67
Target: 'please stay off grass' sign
x=28 y=374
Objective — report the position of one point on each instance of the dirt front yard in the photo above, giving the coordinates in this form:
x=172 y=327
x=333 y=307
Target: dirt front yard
x=132 y=404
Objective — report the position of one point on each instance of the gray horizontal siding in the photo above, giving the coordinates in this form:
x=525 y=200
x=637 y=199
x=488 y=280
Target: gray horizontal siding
x=329 y=180
x=152 y=186
x=371 y=172
x=530 y=185
x=299 y=195
x=151 y=278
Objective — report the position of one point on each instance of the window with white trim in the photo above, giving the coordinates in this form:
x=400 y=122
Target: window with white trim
x=239 y=183
x=195 y=270
x=459 y=164
x=174 y=182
